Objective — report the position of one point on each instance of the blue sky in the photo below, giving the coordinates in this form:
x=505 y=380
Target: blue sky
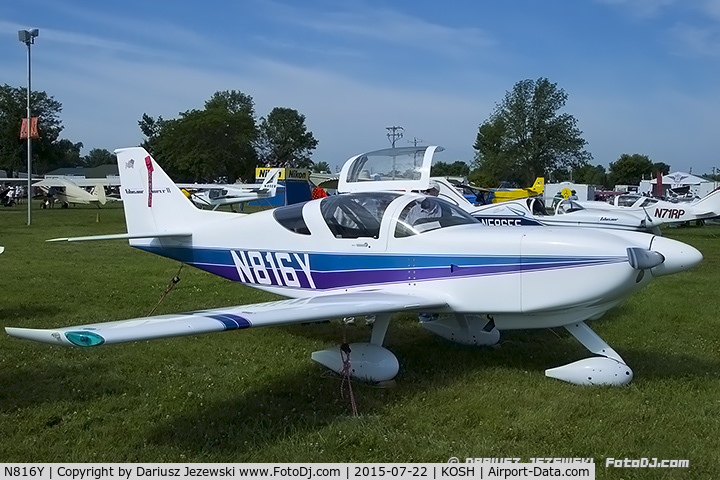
x=642 y=76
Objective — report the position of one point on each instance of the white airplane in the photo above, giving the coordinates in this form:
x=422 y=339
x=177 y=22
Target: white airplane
x=662 y=211
x=73 y=192
x=519 y=212
x=532 y=212
x=373 y=253
x=215 y=195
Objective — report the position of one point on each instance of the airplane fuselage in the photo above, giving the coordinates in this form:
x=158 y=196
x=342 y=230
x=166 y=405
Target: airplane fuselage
x=529 y=274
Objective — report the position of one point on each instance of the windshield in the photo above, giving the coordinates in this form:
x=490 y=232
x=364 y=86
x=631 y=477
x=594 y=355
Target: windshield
x=648 y=201
x=402 y=168
x=291 y=217
x=567 y=206
x=356 y=215
x=430 y=213
x=627 y=200
x=537 y=207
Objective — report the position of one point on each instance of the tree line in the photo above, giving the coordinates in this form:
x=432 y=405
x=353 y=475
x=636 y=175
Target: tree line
x=223 y=141
x=527 y=135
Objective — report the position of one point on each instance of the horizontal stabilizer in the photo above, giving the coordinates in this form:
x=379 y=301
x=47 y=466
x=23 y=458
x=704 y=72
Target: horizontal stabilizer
x=122 y=236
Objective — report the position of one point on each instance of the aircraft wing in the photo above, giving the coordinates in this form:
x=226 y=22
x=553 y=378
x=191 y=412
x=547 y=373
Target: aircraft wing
x=301 y=310
x=80 y=182
x=233 y=187
x=325 y=180
x=123 y=236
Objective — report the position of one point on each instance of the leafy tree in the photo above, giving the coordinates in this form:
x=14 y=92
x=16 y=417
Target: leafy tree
x=525 y=137
x=63 y=154
x=630 y=169
x=205 y=145
x=284 y=140
x=13 y=108
x=491 y=162
x=661 y=167
x=455 y=169
x=151 y=128
x=590 y=175
x=97 y=157
x=321 y=167
x=234 y=102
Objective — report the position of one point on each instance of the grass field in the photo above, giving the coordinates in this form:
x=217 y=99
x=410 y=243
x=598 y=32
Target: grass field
x=256 y=396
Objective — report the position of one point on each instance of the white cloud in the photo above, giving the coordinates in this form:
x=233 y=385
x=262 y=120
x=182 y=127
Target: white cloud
x=367 y=23
x=692 y=40
x=641 y=8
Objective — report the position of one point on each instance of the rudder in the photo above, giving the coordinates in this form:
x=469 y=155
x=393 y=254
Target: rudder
x=152 y=202
x=539 y=185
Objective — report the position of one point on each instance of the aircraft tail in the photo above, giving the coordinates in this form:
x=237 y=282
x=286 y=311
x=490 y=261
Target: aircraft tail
x=99 y=193
x=708 y=206
x=539 y=186
x=271 y=181
x=152 y=202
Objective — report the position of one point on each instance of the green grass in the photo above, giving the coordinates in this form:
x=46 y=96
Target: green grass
x=255 y=395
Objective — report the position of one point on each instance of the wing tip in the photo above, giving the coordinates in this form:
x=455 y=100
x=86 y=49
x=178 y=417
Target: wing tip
x=36 y=334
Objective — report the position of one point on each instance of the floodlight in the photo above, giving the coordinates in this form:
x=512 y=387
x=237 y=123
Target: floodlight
x=28 y=36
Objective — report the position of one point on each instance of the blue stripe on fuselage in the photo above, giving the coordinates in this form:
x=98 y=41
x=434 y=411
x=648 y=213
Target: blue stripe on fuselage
x=337 y=270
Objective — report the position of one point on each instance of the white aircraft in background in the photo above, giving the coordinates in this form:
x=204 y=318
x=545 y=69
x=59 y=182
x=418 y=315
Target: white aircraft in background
x=73 y=191
x=662 y=211
x=515 y=213
x=532 y=212
x=214 y=195
x=376 y=253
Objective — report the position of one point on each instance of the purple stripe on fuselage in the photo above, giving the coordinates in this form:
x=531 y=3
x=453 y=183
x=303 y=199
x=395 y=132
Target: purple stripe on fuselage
x=324 y=280
x=350 y=278
x=225 y=271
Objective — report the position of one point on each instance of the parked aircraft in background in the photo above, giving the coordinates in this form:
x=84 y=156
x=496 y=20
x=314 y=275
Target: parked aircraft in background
x=532 y=212
x=69 y=191
x=374 y=252
x=215 y=195
x=486 y=196
x=661 y=211
x=521 y=212
x=505 y=194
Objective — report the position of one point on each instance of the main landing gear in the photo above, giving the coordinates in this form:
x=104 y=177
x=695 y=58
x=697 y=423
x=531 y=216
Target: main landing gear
x=370 y=361
x=367 y=361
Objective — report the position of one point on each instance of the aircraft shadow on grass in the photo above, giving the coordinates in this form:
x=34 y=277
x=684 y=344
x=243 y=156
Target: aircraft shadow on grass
x=28 y=387
x=36 y=310
x=306 y=400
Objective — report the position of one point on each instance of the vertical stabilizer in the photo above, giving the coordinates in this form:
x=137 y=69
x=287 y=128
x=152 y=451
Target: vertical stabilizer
x=152 y=202
x=99 y=193
x=271 y=181
x=708 y=206
x=539 y=185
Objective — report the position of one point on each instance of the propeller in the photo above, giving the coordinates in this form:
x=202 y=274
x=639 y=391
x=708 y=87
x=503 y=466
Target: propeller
x=643 y=259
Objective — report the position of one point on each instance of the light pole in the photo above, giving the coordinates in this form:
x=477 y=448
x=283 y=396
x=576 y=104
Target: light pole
x=28 y=38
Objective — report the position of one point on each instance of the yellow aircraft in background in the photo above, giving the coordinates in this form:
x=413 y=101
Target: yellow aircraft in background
x=504 y=194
